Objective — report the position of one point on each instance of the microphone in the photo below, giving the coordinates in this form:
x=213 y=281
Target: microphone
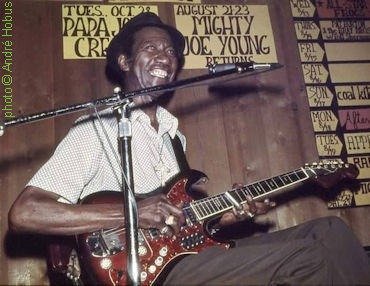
x=243 y=66
x=2 y=128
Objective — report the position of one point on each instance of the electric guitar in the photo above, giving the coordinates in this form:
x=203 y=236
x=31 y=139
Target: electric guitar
x=104 y=251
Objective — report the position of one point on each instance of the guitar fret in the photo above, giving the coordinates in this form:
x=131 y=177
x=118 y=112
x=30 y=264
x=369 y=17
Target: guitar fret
x=238 y=194
x=257 y=187
x=206 y=208
x=242 y=194
x=195 y=209
x=265 y=186
x=218 y=203
x=253 y=191
x=278 y=181
x=301 y=174
x=224 y=202
x=202 y=210
x=213 y=206
x=249 y=192
x=285 y=179
x=271 y=183
x=293 y=176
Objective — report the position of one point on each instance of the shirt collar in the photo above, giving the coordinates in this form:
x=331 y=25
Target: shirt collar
x=167 y=122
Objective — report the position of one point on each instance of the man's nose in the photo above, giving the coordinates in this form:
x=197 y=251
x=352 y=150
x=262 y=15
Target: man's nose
x=162 y=57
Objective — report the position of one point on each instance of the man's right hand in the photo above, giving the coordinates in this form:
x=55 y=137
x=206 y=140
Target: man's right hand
x=158 y=212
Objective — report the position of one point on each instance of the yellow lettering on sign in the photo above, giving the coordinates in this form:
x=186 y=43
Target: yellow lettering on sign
x=319 y=96
x=328 y=145
x=363 y=164
x=353 y=95
x=306 y=30
x=302 y=8
x=314 y=73
x=324 y=120
x=357 y=143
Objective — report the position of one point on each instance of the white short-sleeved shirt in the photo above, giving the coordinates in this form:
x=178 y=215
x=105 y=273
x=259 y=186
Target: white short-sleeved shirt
x=84 y=162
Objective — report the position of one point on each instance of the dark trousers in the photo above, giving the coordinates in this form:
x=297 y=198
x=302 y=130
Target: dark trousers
x=320 y=252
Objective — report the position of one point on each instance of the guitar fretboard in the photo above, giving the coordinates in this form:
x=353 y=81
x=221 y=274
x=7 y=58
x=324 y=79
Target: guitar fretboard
x=211 y=206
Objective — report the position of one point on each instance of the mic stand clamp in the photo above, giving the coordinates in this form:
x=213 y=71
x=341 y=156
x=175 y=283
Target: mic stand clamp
x=131 y=214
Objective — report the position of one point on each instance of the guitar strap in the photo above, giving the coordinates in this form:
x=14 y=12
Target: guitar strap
x=179 y=153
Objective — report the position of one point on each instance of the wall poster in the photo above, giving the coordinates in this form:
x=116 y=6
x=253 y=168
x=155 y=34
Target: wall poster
x=334 y=45
x=222 y=34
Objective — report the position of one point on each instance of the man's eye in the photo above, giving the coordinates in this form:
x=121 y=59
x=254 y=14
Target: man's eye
x=171 y=51
x=150 y=47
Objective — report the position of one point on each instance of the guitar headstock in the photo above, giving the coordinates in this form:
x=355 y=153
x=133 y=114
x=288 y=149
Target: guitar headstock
x=327 y=173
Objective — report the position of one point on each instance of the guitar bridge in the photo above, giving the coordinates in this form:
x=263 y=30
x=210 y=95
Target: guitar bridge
x=104 y=244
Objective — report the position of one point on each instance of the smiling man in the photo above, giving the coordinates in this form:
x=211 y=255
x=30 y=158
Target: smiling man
x=145 y=53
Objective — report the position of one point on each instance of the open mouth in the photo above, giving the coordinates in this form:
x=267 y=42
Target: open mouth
x=158 y=73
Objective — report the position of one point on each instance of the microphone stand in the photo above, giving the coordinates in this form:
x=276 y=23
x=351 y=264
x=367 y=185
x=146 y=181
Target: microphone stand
x=122 y=101
x=131 y=215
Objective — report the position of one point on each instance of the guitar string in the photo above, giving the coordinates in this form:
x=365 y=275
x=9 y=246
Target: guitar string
x=218 y=197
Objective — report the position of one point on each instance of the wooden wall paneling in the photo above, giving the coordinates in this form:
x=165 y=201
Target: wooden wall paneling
x=24 y=148
x=237 y=131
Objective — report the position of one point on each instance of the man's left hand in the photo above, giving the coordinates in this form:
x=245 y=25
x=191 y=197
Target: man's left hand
x=249 y=209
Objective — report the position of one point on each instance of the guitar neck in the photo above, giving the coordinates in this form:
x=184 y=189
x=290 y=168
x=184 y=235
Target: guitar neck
x=211 y=206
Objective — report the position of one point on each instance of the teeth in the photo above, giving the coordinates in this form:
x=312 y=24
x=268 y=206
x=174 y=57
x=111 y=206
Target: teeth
x=159 y=73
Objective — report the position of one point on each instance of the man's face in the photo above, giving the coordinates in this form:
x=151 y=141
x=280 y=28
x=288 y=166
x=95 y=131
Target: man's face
x=153 y=61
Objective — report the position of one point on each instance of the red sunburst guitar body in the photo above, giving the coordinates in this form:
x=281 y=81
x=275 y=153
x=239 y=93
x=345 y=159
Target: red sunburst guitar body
x=104 y=252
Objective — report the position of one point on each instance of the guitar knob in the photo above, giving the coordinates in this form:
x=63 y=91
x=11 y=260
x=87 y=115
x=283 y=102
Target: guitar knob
x=159 y=261
x=142 y=250
x=152 y=269
x=105 y=263
x=163 y=251
x=143 y=276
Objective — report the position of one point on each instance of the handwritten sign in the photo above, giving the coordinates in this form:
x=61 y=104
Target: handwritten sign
x=302 y=8
x=362 y=197
x=219 y=34
x=355 y=119
x=324 y=120
x=352 y=95
x=314 y=73
x=319 y=96
x=310 y=52
x=343 y=9
x=344 y=199
x=88 y=29
x=328 y=145
x=306 y=30
x=357 y=143
x=342 y=30
x=363 y=164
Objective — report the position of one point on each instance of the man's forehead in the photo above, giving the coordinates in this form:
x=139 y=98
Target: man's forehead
x=152 y=34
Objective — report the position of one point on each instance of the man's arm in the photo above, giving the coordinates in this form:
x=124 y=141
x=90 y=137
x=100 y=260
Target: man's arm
x=38 y=211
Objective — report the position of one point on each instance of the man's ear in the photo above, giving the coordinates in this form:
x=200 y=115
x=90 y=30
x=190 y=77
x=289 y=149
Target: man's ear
x=123 y=63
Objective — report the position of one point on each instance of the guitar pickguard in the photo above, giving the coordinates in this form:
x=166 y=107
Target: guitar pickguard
x=104 y=251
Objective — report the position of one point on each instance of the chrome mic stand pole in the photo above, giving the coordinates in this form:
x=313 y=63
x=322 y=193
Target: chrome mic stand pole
x=131 y=214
